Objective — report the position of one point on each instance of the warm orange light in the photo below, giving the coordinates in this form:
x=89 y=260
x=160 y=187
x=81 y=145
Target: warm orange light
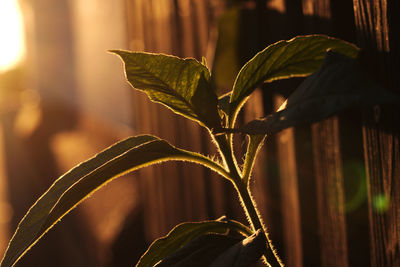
x=12 y=46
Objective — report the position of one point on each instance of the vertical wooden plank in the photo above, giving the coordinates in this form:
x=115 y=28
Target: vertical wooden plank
x=304 y=248
x=254 y=109
x=307 y=197
x=381 y=157
x=351 y=150
x=327 y=162
x=290 y=195
x=330 y=195
x=378 y=35
x=280 y=11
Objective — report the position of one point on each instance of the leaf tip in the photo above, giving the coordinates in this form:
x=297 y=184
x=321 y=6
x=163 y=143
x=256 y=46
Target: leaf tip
x=121 y=53
x=114 y=51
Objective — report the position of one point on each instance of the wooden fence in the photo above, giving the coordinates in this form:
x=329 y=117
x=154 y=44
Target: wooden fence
x=330 y=192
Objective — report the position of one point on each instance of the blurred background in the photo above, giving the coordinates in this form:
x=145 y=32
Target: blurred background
x=329 y=192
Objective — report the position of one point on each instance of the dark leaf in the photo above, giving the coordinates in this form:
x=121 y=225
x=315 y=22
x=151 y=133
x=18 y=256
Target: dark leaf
x=200 y=252
x=337 y=85
x=244 y=253
x=182 y=234
x=216 y=250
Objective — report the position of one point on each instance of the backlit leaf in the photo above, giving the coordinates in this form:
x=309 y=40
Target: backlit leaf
x=81 y=181
x=182 y=85
x=297 y=57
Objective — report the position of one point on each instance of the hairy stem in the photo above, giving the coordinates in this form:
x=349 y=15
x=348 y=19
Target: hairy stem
x=246 y=200
x=227 y=156
x=256 y=223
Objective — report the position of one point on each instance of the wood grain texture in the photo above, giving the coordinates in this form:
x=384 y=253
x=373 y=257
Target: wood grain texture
x=379 y=37
x=382 y=159
x=290 y=195
x=182 y=27
x=327 y=160
x=330 y=195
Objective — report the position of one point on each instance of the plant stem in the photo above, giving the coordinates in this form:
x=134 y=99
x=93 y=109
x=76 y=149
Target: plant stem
x=249 y=206
x=227 y=156
x=246 y=200
x=256 y=223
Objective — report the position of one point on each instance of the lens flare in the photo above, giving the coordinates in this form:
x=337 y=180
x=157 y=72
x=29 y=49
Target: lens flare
x=11 y=34
x=381 y=203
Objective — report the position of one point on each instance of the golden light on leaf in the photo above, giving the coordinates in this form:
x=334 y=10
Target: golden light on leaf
x=12 y=46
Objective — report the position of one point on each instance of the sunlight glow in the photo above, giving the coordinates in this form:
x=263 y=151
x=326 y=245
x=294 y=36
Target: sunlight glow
x=12 y=46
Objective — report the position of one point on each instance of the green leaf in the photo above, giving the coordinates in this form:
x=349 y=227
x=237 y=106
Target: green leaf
x=77 y=184
x=297 y=57
x=182 y=234
x=201 y=251
x=339 y=84
x=183 y=85
x=217 y=250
